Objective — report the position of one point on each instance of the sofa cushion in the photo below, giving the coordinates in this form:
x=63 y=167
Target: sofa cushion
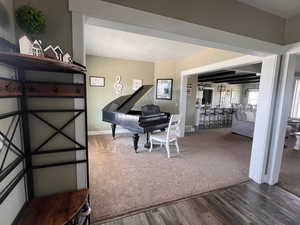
x=250 y=116
x=241 y=115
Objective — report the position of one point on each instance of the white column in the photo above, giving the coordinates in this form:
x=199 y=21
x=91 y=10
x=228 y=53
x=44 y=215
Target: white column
x=79 y=55
x=183 y=103
x=283 y=106
x=264 y=117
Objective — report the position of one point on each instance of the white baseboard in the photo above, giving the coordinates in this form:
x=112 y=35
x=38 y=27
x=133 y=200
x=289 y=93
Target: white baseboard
x=188 y=128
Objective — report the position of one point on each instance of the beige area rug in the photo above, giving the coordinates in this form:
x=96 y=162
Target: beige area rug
x=123 y=181
x=290 y=170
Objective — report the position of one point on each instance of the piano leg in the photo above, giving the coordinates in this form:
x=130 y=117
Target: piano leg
x=147 y=144
x=113 y=129
x=135 y=142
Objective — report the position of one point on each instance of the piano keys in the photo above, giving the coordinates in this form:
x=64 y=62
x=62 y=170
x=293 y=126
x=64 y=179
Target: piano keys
x=119 y=113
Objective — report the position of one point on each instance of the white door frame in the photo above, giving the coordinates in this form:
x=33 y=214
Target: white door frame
x=78 y=21
x=132 y=20
x=284 y=102
x=261 y=152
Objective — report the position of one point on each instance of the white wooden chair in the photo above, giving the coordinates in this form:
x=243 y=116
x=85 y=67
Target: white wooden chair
x=169 y=136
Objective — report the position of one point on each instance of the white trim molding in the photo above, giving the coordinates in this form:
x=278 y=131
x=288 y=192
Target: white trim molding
x=78 y=21
x=262 y=137
x=283 y=106
x=226 y=64
x=292 y=48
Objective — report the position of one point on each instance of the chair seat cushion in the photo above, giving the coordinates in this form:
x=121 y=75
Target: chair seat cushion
x=162 y=137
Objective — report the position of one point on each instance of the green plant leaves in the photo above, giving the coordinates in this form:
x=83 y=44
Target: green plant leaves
x=30 y=20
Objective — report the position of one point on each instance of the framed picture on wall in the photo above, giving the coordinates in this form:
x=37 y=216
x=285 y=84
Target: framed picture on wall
x=164 y=88
x=97 y=81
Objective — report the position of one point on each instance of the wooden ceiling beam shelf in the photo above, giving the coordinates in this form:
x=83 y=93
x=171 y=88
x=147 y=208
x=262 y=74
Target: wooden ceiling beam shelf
x=216 y=74
x=36 y=63
x=236 y=76
x=237 y=80
x=245 y=82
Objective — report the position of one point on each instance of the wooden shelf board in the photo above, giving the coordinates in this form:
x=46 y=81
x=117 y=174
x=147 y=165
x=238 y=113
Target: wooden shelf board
x=56 y=209
x=36 y=63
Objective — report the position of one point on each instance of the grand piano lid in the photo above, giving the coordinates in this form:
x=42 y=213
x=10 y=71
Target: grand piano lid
x=125 y=103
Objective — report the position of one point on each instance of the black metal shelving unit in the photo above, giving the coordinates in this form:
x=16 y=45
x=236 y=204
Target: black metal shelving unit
x=23 y=89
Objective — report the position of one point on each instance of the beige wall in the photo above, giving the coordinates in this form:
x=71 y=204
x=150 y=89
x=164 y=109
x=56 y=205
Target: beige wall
x=98 y=97
x=168 y=69
x=173 y=68
x=229 y=15
x=58 y=32
x=292 y=32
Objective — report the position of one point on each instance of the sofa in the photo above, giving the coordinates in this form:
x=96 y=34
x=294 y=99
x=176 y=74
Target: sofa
x=243 y=122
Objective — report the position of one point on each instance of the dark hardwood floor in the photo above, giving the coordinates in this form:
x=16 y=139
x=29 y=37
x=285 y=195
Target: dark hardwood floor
x=243 y=204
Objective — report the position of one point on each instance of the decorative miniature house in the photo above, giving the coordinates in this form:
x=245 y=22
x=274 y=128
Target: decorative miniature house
x=37 y=49
x=25 y=45
x=59 y=53
x=67 y=58
x=50 y=52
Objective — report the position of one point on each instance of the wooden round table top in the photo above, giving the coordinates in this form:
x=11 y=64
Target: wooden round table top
x=58 y=209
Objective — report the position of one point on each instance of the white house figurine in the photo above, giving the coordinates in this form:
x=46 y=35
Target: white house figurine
x=25 y=45
x=30 y=48
x=37 y=49
x=50 y=52
x=67 y=58
x=59 y=53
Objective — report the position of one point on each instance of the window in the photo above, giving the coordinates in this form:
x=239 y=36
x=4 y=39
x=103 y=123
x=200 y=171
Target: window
x=295 y=113
x=34 y=52
x=253 y=96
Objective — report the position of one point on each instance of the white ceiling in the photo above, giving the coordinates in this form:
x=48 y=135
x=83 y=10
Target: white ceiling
x=107 y=42
x=282 y=8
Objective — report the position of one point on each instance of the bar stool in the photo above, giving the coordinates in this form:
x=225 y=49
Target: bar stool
x=206 y=118
x=212 y=119
x=228 y=120
x=220 y=117
x=202 y=118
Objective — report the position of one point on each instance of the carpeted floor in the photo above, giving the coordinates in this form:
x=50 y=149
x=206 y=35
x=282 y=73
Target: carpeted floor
x=122 y=181
x=290 y=170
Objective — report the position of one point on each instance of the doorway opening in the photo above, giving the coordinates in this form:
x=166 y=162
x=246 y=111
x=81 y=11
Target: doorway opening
x=124 y=181
x=270 y=63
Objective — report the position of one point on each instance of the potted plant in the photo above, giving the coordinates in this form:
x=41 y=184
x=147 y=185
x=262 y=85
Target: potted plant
x=32 y=21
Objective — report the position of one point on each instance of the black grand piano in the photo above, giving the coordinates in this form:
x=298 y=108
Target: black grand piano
x=119 y=112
